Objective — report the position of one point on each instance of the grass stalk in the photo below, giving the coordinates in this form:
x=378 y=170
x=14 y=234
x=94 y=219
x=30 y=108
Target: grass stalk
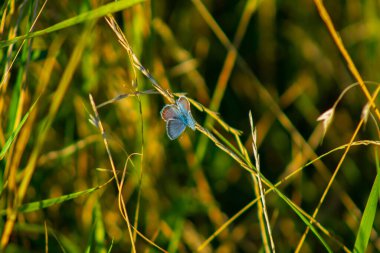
x=29 y=170
x=261 y=194
x=342 y=49
x=358 y=127
x=122 y=208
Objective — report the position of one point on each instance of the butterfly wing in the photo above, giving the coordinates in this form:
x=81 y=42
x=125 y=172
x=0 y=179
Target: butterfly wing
x=174 y=128
x=184 y=103
x=184 y=106
x=170 y=112
x=190 y=121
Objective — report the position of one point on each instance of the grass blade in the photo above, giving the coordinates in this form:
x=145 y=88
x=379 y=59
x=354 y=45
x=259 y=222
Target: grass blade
x=110 y=248
x=86 y=16
x=16 y=131
x=99 y=229
x=37 y=205
x=304 y=219
x=368 y=218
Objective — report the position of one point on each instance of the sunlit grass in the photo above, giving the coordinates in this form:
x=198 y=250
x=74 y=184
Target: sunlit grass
x=86 y=162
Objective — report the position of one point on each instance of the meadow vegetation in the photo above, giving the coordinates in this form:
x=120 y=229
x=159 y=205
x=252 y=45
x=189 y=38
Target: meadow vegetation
x=284 y=153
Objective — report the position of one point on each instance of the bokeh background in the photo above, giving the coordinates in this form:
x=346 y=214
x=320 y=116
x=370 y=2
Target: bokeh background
x=286 y=69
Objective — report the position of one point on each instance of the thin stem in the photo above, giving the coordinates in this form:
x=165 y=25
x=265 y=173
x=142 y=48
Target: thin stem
x=334 y=175
x=339 y=43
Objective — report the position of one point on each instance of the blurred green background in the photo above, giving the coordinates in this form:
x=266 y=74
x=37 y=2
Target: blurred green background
x=286 y=69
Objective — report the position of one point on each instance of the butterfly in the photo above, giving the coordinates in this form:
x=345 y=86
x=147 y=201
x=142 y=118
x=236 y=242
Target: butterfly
x=177 y=117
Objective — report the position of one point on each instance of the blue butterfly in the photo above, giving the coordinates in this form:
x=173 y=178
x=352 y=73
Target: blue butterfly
x=177 y=117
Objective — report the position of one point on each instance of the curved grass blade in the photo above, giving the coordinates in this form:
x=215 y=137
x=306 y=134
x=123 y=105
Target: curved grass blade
x=86 y=16
x=37 y=205
x=304 y=219
x=16 y=131
x=226 y=142
x=111 y=246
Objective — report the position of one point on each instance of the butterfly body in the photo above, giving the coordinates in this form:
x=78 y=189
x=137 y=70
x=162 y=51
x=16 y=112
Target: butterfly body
x=178 y=117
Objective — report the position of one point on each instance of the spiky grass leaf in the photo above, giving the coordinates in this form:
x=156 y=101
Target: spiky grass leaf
x=368 y=218
x=38 y=205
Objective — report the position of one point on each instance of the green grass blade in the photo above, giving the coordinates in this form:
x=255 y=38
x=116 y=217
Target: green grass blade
x=86 y=16
x=91 y=237
x=368 y=218
x=98 y=233
x=226 y=142
x=304 y=219
x=111 y=246
x=16 y=103
x=34 y=206
x=37 y=205
x=290 y=203
x=12 y=137
x=2 y=169
x=175 y=238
